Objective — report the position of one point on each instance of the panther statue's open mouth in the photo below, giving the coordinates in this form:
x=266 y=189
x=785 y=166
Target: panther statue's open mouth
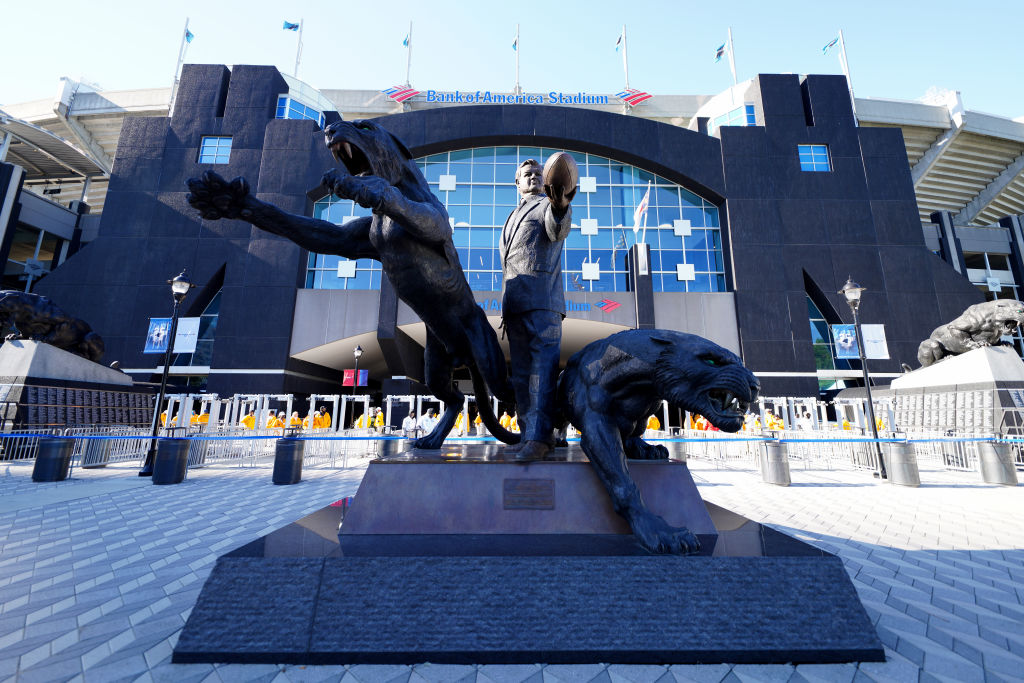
x=352 y=156
x=727 y=404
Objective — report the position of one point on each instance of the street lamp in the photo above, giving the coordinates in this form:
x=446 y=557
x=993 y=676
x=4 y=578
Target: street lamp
x=179 y=290
x=852 y=291
x=357 y=352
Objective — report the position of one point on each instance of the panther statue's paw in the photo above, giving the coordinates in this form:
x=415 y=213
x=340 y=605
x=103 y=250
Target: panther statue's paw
x=369 y=192
x=658 y=536
x=638 y=449
x=217 y=198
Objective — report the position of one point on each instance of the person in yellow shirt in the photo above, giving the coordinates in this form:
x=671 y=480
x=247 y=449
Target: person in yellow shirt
x=653 y=423
x=204 y=418
x=275 y=421
x=879 y=424
x=460 y=425
x=846 y=424
x=514 y=425
x=325 y=418
x=295 y=420
x=361 y=421
x=193 y=419
x=701 y=423
x=378 y=421
x=163 y=419
x=505 y=420
x=249 y=421
x=477 y=423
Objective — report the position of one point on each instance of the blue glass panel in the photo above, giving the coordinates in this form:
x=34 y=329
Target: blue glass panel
x=689 y=198
x=438 y=158
x=463 y=256
x=479 y=281
x=460 y=236
x=711 y=218
x=459 y=214
x=482 y=215
x=576 y=240
x=461 y=155
x=669 y=260
x=481 y=259
x=621 y=216
x=619 y=173
x=483 y=154
x=506 y=155
x=669 y=283
x=483 y=172
x=531 y=153
x=696 y=216
x=664 y=215
x=462 y=172
x=482 y=195
x=482 y=237
x=606 y=283
x=310 y=279
x=697 y=239
x=375 y=279
x=602 y=256
x=574 y=259
x=360 y=281
x=719 y=283
x=600 y=172
x=655 y=260
x=575 y=282
x=701 y=283
x=433 y=172
x=699 y=259
x=459 y=196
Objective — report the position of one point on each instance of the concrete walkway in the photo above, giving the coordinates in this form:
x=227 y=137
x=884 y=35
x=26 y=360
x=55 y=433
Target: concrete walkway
x=99 y=573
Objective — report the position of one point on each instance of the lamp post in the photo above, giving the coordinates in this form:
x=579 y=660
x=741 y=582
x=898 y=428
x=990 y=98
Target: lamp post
x=852 y=291
x=357 y=352
x=179 y=290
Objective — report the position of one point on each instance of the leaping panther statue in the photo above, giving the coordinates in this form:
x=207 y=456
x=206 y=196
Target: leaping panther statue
x=980 y=325
x=31 y=316
x=608 y=389
x=410 y=235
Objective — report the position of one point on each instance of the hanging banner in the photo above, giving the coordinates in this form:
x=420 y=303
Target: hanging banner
x=364 y=377
x=184 y=338
x=156 y=337
x=846 y=341
x=874 y=341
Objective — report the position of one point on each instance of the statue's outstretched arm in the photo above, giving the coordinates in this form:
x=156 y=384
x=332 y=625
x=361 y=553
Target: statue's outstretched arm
x=425 y=220
x=217 y=198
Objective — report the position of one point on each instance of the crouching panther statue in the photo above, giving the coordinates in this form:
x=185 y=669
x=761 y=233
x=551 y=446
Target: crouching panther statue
x=35 y=317
x=410 y=235
x=980 y=325
x=611 y=386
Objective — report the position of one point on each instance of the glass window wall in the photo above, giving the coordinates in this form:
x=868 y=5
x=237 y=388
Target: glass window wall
x=680 y=227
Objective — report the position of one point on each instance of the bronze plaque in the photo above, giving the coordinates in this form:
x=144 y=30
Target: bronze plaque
x=528 y=494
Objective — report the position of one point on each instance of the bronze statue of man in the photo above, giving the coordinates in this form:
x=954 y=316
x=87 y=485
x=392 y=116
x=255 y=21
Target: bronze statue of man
x=533 y=301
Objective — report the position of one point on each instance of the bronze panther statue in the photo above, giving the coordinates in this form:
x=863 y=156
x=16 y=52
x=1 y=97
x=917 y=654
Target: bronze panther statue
x=610 y=387
x=36 y=317
x=410 y=235
x=980 y=325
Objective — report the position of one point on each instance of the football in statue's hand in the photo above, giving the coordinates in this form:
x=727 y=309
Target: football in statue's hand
x=561 y=171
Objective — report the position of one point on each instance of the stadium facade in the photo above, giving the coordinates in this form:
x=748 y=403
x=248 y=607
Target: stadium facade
x=762 y=200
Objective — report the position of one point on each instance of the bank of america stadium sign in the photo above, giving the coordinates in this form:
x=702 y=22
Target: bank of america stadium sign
x=401 y=94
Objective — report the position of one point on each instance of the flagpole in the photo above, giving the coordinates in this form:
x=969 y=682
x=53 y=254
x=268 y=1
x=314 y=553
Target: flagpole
x=408 y=58
x=298 y=48
x=732 y=59
x=518 y=90
x=625 y=56
x=846 y=72
x=177 y=67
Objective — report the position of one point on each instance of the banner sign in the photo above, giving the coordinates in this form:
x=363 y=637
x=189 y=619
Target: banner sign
x=874 y=341
x=875 y=347
x=184 y=339
x=364 y=377
x=846 y=341
x=186 y=336
x=487 y=97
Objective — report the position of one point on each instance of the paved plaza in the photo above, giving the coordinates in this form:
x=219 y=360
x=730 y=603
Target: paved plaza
x=98 y=573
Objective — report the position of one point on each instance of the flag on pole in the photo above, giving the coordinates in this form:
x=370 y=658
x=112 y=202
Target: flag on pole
x=633 y=97
x=641 y=210
x=618 y=43
x=400 y=93
x=189 y=36
x=288 y=26
x=515 y=43
x=831 y=44
x=720 y=52
x=405 y=41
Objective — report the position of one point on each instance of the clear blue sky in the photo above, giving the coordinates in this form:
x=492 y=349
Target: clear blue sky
x=897 y=49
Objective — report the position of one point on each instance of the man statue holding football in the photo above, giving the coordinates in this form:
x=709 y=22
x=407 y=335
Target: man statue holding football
x=533 y=296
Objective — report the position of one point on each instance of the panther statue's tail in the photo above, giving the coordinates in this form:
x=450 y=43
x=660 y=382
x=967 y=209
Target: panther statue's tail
x=483 y=406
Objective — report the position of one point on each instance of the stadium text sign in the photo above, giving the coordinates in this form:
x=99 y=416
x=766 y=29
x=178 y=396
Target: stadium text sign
x=488 y=97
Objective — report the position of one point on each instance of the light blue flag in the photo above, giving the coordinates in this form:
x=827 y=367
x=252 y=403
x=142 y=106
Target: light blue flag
x=189 y=36
x=288 y=26
x=405 y=41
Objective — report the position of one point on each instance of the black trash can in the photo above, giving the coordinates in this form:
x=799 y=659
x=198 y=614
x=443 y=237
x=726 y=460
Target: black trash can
x=53 y=459
x=171 y=461
x=288 y=460
x=389 y=446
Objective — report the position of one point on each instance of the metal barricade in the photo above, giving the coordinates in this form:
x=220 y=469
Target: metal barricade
x=22 y=444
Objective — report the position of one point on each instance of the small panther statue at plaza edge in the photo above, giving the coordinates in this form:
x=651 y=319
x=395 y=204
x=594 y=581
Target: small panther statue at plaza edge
x=980 y=325
x=410 y=235
x=35 y=317
x=610 y=387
